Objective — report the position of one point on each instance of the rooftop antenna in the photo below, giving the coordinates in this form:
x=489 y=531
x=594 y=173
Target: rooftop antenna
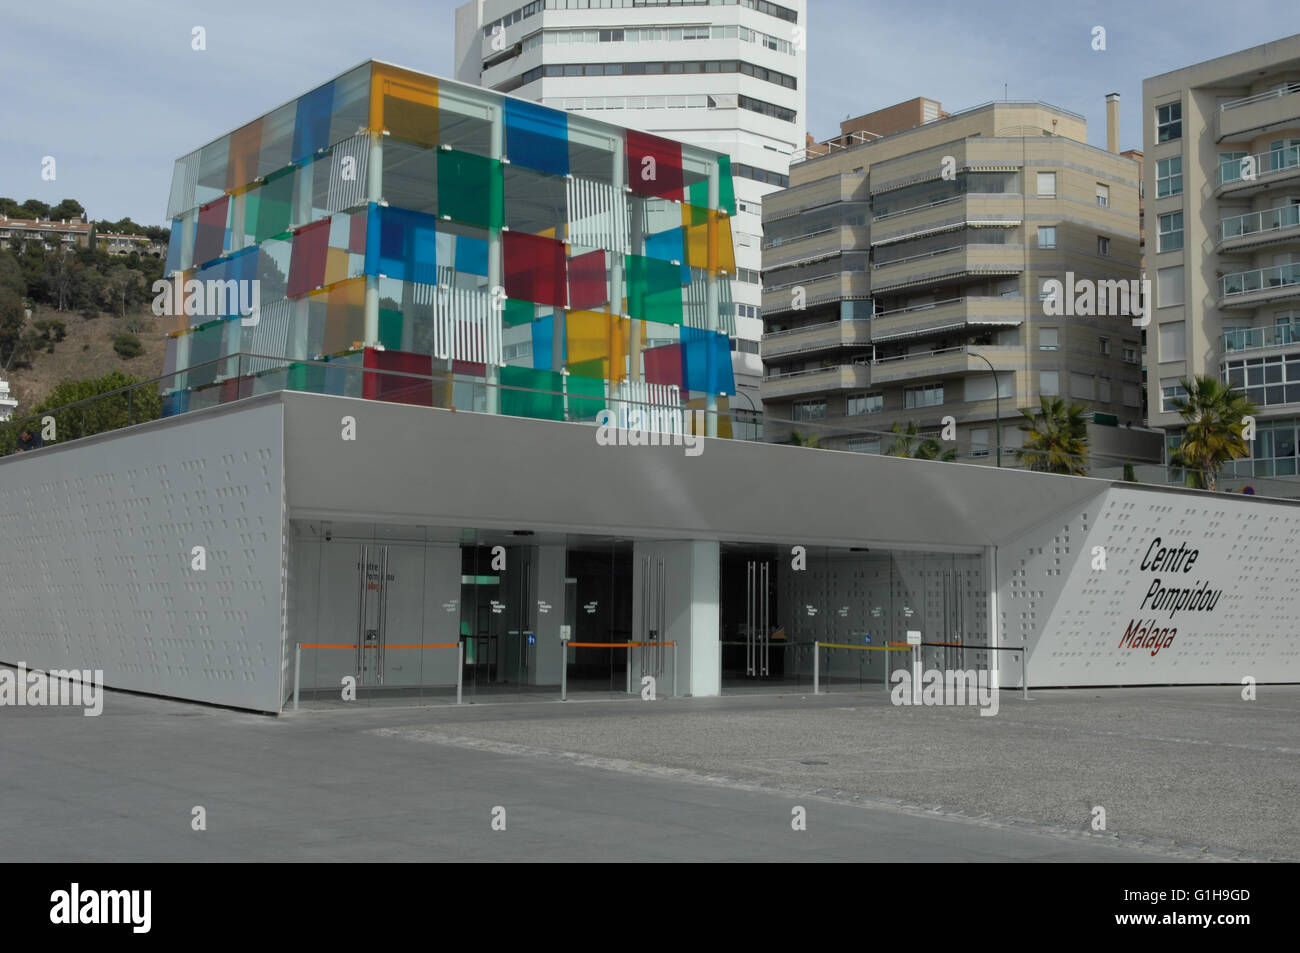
x=1004 y=93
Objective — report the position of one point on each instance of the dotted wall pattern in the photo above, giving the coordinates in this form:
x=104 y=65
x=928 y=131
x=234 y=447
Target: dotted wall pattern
x=96 y=550
x=1122 y=624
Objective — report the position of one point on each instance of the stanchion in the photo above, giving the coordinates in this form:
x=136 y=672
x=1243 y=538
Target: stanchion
x=297 y=667
x=817 y=660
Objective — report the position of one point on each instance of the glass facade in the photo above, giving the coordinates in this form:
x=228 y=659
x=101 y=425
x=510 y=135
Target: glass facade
x=394 y=223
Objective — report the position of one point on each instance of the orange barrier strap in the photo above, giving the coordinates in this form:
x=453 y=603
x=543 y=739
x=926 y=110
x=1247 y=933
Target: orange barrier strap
x=616 y=645
x=958 y=644
x=898 y=645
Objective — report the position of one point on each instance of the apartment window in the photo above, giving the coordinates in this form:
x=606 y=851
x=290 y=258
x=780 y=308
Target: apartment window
x=865 y=404
x=1170 y=232
x=1103 y=195
x=1047 y=236
x=1169 y=122
x=1103 y=346
x=810 y=410
x=1082 y=386
x=1103 y=245
x=1173 y=341
x=1103 y=389
x=744 y=345
x=1132 y=397
x=1230 y=169
x=1047 y=339
x=979 y=441
x=1130 y=352
x=929 y=395
x=1049 y=383
x=1047 y=184
x=1169 y=176
x=1044 y=292
x=1171 y=389
x=1169 y=287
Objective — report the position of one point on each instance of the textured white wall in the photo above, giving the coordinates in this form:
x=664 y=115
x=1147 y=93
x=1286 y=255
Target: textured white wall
x=95 y=543
x=1074 y=617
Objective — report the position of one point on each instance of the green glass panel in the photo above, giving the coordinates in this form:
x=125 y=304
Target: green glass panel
x=471 y=189
x=529 y=403
x=519 y=312
x=390 y=329
x=274 y=205
x=654 y=290
x=726 y=187
x=698 y=194
x=586 y=395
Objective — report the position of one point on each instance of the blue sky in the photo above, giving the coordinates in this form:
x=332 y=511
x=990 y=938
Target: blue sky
x=115 y=93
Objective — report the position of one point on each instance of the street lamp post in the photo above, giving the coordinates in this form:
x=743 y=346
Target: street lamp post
x=997 y=396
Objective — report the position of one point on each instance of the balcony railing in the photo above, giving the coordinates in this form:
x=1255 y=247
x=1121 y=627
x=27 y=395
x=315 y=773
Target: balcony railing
x=1252 y=223
x=1286 y=90
x=1264 y=163
x=816 y=337
x=1254 y=339
x=1261 y=279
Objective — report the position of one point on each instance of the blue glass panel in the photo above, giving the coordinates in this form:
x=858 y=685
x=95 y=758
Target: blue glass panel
x=543 y=342
x=537 y=136
x=471 y=255
x=173 y=248
x=706 y=361
x=402 y=244
x=311 y=127
x=669 y=246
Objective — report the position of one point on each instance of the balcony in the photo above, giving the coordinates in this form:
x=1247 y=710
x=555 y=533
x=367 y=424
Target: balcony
x=1258 y=228
x=835 y=285
x=815 y=381
x=947 y=265
x=1246 y=289
x=947 y=362
x=942 y=316
x=1243 y=118
x=822 y=242
x=1260 y=171
x=818 y=337
x=1260 y=339
x=1005 y=209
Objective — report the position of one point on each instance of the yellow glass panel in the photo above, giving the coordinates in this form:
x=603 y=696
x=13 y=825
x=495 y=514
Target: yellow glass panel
x=345 y=315
x=404 y=103
x=595 y=336
x=241 y=166
x=708 y=243
x=336 y=265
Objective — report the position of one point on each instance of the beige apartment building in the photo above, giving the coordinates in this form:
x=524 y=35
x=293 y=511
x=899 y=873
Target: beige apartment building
x=1222 y=143
x=900 y=271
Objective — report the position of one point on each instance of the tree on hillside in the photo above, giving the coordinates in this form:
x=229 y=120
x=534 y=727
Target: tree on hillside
x=134 y=405
x=1056 y=439
x=69 y=209
x=121 y=287
x=14 y=352
x=59 y=277
x=11 y=275
x=1215 y=422
x=33 y=208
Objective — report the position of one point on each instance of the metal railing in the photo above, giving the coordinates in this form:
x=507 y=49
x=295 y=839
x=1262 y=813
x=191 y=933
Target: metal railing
x=1254 y=339
x=1252 y=223
x=1260 y=279
x=1286 y=90
x=1250 y=168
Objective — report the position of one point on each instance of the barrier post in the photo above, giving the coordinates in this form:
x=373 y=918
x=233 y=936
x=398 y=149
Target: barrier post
x=629 y=666
x=564 y=672
x=297 y=667
x=460 y=669
x=674 y=648
x=916 y=674
x=1024 y=672
x=817 y=659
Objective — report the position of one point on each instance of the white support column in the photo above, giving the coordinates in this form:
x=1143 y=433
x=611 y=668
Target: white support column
x=496 y=264
x=692 y=604
x=374 y=193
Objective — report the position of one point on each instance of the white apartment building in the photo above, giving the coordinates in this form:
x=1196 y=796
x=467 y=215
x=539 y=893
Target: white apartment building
x=727 y=75
x=1222 y=170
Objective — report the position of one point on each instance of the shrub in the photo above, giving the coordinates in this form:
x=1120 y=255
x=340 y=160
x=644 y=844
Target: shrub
x=127 y=346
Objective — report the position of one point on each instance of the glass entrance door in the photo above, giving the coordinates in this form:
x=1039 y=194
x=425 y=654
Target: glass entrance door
x=372 y=615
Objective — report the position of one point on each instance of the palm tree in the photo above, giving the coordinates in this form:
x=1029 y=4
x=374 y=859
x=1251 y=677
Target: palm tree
x=1056 y=439
x=909 y=443
x=1215 y=420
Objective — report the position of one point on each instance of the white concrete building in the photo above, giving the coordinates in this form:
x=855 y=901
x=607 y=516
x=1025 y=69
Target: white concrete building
x=728 y=75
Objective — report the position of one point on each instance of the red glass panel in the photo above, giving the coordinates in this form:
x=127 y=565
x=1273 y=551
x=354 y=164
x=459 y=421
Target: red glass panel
x=535 y=268
x=307 y=262
x=654 y=165
x=587 y=287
